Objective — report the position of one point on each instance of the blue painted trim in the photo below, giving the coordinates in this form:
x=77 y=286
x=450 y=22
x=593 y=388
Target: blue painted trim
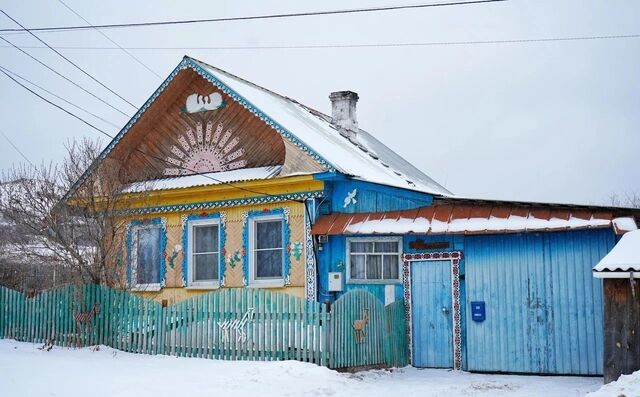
x=163 y=245
x=273 y=198
x=222 y=238
x=124 y=130
x=196 y=67
x=286 y=242
x=330 y=176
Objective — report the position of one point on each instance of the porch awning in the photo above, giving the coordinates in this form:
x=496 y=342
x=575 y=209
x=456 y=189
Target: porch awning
x=623 y=261
x=469 y=219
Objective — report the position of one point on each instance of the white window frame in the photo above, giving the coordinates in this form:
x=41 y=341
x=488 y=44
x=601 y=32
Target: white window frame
x=274 y=282
x=212 y=284
x=134 y=259
x=374 y=240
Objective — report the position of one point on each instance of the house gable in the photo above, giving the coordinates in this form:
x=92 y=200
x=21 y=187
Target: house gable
x=194 y=124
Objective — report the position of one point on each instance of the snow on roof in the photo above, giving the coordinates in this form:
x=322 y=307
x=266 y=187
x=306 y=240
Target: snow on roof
x=464 y=219
x=622 y=259
x=211 y=178
x=364 y=157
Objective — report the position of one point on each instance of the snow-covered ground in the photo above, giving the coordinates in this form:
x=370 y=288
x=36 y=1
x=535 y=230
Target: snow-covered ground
x=27 y=371
x=625 y=386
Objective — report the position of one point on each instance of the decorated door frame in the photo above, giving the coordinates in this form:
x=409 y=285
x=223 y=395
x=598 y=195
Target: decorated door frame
x=454 y=257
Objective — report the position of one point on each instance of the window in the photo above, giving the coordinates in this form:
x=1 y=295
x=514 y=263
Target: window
x=374 y=259
x=204 y=252
x=146 y=255
x=267 y=253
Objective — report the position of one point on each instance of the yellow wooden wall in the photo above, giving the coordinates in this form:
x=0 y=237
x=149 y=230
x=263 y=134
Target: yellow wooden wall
x=174 y=291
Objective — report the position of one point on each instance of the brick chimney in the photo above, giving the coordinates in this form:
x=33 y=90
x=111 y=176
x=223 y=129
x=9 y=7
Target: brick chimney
x=343 y=111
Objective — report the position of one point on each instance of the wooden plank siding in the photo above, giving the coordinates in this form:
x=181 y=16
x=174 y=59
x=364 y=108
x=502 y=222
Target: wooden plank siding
x=621 y=328
x=150 y=139
x=544 y=310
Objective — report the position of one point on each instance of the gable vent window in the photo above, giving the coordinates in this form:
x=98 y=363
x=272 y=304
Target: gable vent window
x=374 y=260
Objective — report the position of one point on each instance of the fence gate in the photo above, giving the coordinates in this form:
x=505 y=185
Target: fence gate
x=365 y=333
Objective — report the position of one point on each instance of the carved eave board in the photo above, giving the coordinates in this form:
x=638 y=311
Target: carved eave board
x=194 y=127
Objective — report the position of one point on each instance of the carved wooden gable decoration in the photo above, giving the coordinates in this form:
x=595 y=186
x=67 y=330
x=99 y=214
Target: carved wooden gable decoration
x=192 y=126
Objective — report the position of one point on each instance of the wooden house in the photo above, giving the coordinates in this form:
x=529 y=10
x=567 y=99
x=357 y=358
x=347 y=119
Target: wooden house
x=618 y=270
x=253 y=189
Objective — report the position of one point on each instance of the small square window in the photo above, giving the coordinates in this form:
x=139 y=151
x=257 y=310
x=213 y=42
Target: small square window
x=374 y=260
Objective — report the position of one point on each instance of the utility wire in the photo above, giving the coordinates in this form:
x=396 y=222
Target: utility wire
x=148 y=155
x=16 y=148
x=70 y=61
x=363 y=45
x=54 y=104
x=255 y=17
x=111 y=40
x=59 y=97
x=64 y=77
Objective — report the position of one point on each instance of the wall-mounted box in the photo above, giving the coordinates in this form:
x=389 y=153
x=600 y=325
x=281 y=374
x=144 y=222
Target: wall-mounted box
x=335 y=281
x=478 y=312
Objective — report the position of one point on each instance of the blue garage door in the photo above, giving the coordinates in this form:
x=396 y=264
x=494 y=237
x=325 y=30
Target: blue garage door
x=543 y=306
x=431 y=317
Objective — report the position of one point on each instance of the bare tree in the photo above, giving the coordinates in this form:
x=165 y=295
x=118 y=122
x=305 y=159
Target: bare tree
x=629 y=200
x=76 y=232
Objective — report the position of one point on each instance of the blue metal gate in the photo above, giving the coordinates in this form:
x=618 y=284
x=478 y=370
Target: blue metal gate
x=432 y=327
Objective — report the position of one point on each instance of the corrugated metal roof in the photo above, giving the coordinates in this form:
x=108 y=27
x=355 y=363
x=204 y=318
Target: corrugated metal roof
x=211 y=178
x=623 y=258
x=363 y=156
x=469 y=219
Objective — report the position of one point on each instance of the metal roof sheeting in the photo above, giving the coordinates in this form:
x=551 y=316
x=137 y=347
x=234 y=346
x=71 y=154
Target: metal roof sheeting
x=622 y=259
x=211 y=178
x=469 y=219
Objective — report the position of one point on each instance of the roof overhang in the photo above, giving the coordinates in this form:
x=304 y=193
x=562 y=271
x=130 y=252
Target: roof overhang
x=470 y=219
x=623 y=261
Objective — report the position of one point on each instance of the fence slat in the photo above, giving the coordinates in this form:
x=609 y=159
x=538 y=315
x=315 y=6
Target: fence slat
x=216 y=325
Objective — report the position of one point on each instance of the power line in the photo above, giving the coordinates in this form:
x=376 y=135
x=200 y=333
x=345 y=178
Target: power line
x=111 y=40
x=363 y=45
x=255 y=17
x=16 y=148
x=148 y=155
x=59 y=97
x=55 y=105
x=70 y=61
x=64 y=77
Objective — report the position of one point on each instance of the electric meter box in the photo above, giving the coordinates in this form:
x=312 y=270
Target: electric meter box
x=335 y=281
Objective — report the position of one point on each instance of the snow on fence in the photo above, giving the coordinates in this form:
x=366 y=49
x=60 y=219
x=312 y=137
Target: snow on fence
x=230 y=324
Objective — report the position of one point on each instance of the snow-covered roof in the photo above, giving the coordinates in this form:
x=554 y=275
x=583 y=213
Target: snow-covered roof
x=469 y=219
x=211 y=178
x=623 y=259
x=363 y=157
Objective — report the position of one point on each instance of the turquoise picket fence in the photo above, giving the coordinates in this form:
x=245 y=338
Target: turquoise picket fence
x=229 y=324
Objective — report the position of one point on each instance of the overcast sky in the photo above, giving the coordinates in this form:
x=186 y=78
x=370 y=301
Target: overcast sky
x=553 y=121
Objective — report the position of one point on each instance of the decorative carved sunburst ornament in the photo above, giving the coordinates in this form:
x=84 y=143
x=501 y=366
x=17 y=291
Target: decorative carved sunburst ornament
x=201 y=147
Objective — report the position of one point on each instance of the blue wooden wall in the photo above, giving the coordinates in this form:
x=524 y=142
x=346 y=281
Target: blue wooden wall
x=333 y=258
x=371 y=197
x=543 y=307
